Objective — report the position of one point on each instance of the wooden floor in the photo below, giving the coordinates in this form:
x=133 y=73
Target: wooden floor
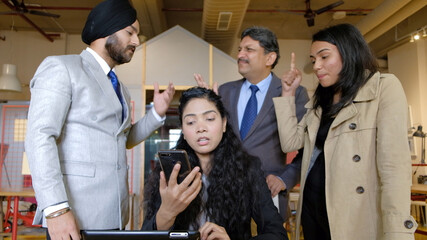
x=29 y=233
x=421 y=236
x=27 y=237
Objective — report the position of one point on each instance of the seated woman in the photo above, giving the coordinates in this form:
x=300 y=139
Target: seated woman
x=226 y=187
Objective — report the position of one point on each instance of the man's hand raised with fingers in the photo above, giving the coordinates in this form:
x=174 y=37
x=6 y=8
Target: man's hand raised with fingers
x=201 y=83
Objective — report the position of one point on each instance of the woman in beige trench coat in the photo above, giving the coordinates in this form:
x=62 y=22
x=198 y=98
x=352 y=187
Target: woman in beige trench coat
x=356 y=170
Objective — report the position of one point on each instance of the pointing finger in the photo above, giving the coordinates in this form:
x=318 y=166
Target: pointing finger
x=292 y=61
x=156 y=88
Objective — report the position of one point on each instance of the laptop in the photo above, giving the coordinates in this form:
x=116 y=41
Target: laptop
x=139 y=235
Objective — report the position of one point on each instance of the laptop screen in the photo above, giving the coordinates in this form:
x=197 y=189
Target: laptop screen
x=138 y=235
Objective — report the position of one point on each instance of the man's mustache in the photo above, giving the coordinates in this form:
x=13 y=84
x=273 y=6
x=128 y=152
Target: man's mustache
x=130 y=47
x=242 y=60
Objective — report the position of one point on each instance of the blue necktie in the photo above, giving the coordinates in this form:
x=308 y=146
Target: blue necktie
x=251 y=111
x=116 y=86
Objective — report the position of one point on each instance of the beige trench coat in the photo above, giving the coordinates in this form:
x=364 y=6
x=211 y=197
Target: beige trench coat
x=367 y=161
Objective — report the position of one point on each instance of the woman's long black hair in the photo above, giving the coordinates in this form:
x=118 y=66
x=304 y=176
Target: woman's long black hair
x=232 y=179
x=358 y=65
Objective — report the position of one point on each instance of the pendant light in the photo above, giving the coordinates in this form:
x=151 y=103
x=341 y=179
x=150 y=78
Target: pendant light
x=8 y=80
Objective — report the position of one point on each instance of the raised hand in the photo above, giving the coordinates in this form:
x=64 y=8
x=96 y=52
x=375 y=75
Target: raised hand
x=162 y=100
x=176 y=197
x=201 y=83
x=291 y=79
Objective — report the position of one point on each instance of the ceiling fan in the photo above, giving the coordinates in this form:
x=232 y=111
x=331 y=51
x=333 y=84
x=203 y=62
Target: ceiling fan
x=22 y=8
x=310 y=14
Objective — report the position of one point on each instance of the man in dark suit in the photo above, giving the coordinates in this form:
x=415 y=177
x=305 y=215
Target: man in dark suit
x=258 y=55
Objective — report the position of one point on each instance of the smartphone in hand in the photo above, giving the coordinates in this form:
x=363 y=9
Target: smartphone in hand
x=168 y=159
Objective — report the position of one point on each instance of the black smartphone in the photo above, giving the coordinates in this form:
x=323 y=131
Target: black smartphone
x=168 y=159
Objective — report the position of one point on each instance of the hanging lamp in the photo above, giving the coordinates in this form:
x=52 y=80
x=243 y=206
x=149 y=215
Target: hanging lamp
x=8 y=80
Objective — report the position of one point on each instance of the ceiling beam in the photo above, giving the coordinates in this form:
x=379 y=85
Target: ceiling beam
x=47 y=36
x=386 y=9
x=404 y=12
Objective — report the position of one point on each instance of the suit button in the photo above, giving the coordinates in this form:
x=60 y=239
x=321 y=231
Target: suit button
x=352 y=126
x=118 y=167
x=360 y=190
x=356 y=158
x=94 y=118
x=409 y=224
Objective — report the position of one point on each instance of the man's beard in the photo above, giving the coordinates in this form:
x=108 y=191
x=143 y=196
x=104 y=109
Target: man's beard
x=116 y=52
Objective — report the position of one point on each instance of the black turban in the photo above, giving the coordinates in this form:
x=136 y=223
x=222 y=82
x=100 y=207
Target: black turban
x=107 y=18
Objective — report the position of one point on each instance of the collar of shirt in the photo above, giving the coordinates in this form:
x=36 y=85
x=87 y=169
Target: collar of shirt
x=100 y=60
x=245 y=94
x=263 y=86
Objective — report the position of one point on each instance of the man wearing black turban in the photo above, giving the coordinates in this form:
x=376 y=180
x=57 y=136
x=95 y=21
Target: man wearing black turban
x=79 y=127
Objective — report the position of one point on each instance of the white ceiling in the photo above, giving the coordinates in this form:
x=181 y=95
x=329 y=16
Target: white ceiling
x=379 y=19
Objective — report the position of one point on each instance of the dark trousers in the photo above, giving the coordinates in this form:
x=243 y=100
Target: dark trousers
x=314 y=216
x=312 y=228
x=283 y=205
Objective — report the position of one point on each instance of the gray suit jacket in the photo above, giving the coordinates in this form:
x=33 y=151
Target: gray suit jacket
x=262 y=139
x=76 y=141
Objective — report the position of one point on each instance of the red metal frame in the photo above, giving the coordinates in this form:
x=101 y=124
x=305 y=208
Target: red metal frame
x=15 y=214
x=9 y=211
x=4 y=108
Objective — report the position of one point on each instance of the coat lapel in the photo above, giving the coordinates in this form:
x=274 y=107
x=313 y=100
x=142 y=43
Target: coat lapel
x=344 y=114
x=95 y=72
x=234 y=99
x=368 y=92
x=313 y=121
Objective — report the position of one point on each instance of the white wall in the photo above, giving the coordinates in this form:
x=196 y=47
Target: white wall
x=177 y=54
x=74 y=44
x=174 y=56
x=409 y=63
x=224 y=67
x=27 y=49
x=405 y=63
